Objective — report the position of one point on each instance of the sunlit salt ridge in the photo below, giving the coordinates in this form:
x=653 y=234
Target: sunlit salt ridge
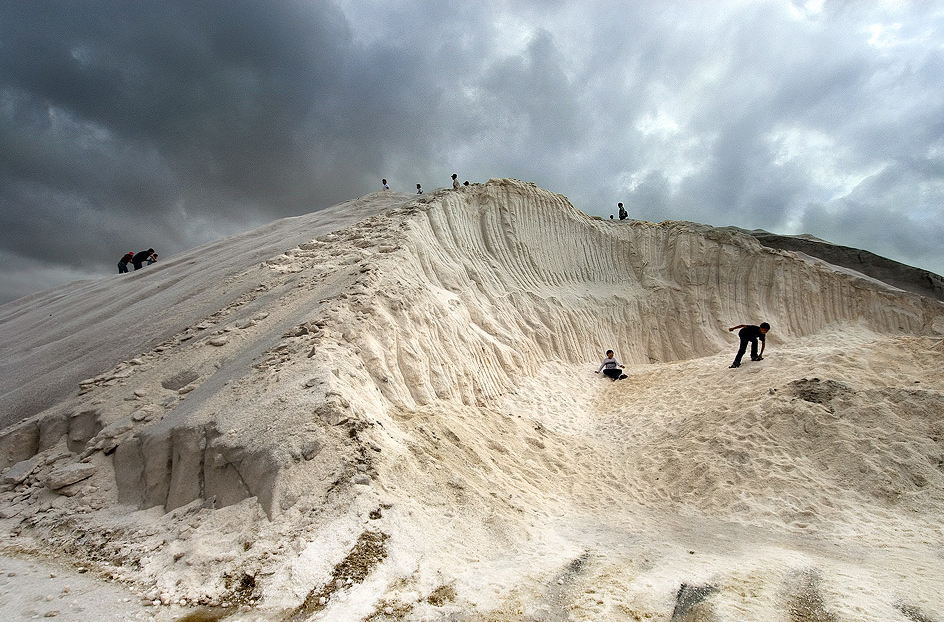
x=397 y=393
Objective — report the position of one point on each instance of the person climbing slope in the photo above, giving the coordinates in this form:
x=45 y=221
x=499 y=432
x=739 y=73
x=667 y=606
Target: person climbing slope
x=141 y=257
x=750 y=334
x=611 y=368
x=123 y=263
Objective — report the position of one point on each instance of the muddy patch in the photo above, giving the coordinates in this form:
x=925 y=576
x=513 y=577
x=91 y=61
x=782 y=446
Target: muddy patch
x=818 y=391
x=369 y=551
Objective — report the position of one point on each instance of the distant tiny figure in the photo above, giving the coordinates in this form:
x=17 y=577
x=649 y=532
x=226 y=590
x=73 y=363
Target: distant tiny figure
x=750 y=334
x=124 y=261
x=611 y=216
x=419 y=189
x=455 y=181
x=611 y=368
x=139 y=258
x=386 y=187
x=152 y=259
x=465 y=183
x=623 y=214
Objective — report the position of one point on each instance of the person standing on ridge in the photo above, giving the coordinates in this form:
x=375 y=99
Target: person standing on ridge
x=750 y=334
x=611 y=368
x=386 y=187
x=419 y=189
x=141 y=257
x=455 y=181
x=623 y=214
x=124 y=261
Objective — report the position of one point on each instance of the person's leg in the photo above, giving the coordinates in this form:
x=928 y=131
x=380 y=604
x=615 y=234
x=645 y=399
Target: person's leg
x=753 y=349
x=741 y=349
x=122 y=268
x=612 y=374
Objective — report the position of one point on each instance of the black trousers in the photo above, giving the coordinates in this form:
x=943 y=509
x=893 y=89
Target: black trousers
x=744 y=341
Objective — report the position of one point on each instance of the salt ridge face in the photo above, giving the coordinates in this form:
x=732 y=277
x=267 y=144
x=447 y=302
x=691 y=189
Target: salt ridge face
x=387 y=411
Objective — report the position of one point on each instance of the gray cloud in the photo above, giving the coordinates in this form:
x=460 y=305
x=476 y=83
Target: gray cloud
x=169 y=124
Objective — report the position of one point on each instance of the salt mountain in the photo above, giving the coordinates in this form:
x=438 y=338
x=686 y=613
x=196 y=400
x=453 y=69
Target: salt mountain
x=387 y=410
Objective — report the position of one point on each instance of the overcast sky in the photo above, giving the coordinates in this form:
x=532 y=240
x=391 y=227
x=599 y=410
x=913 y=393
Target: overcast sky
x=167 y=124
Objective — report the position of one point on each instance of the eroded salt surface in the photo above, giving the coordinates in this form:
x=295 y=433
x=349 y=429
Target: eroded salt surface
x=389 y=411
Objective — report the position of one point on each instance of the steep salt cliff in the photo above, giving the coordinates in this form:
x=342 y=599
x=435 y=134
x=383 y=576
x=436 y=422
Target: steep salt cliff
x=516 y=272
x=420 y=368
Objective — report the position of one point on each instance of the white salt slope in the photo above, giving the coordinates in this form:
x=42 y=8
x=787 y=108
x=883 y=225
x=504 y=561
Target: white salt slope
x=403 y=400
x=51 y=340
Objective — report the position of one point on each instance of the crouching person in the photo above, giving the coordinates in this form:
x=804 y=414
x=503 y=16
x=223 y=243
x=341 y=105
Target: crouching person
x=612 y=368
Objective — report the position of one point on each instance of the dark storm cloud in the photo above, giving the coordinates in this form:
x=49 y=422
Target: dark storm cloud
x=118 y=117
x=168 y=124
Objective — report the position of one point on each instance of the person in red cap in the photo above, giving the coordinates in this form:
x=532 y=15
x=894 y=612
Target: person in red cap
x=123 y=263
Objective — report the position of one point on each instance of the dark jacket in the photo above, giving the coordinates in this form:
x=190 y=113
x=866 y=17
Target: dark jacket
x=140 y=257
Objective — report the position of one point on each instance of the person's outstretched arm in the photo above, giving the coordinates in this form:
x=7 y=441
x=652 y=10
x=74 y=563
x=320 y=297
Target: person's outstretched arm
x=737 y=327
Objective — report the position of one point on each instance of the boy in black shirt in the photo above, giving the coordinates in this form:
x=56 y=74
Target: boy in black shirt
x=750 y=334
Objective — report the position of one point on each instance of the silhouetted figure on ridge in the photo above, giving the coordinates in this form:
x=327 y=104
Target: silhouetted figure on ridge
x=141 y=257
x=124 y=261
